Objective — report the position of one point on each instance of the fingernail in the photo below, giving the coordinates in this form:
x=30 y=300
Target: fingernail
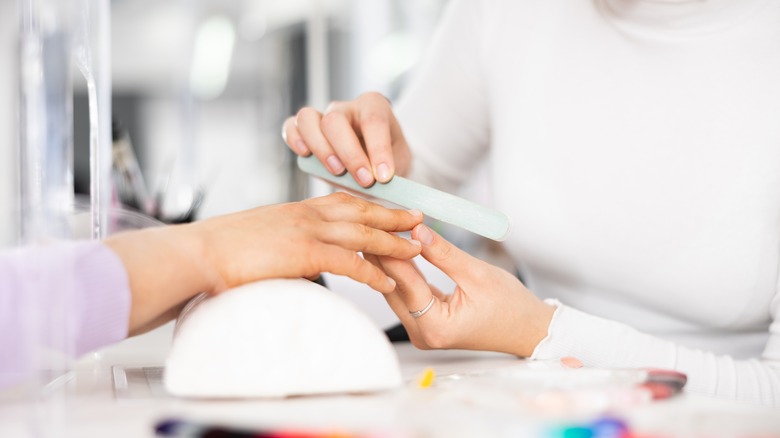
x=424 y=235
x=301 y=148
x=383 y=172
x=416 y=213
x=415 y=242
x=391 y=283
x=336 y=166
x=571 y=362
x=364 y=176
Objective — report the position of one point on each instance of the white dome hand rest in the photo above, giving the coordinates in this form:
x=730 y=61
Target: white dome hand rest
x=277 y=338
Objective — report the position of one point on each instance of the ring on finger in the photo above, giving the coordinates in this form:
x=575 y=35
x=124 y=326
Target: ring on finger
x=418 y=313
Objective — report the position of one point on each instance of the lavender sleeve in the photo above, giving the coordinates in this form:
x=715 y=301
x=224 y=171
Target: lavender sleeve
x=70 y=297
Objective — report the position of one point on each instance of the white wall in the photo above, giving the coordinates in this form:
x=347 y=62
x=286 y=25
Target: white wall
x=240 y=164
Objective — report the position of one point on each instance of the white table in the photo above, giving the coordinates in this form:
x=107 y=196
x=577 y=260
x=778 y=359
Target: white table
x=87 y=405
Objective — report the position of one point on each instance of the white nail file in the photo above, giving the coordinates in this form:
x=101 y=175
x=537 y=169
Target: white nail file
x=440 y=205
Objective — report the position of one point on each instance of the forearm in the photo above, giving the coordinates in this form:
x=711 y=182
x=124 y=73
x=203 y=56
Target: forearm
x=603 y=343
x=165 y=269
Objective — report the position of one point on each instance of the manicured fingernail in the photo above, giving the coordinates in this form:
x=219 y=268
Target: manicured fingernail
x=336 y=166
x=391 y=283
x=383 y=172
x=416 y=213
x=424 y=234
x=571 y=362
x=415 y=242
x=301 y=148
x=364 y=176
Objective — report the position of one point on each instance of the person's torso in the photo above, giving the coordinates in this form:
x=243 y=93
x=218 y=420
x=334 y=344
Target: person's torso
x=641 y=171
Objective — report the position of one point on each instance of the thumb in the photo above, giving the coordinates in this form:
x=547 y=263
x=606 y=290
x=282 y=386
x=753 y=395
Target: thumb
x=444 y=255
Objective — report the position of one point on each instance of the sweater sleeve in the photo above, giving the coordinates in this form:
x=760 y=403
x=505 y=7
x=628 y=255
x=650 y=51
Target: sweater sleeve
x=603 y=343
x=443 y=111
x=69 y=297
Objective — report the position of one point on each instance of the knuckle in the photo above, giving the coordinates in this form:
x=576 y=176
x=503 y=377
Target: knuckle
x=373 y=96
x=331 y=119
x=364 y=232
x=341 y=197
x=362 y=206
x=373 y=118
x=333 y=106
x=304 y=114
x=446 y=252
x=300 y=214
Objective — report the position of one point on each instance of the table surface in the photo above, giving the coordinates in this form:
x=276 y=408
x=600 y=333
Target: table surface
x=85 y=403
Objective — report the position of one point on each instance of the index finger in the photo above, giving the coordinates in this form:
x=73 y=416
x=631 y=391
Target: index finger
x=341 y=207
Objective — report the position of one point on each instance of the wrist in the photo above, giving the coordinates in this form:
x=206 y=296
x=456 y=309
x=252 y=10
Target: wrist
x=194 y=253
x=535 y=329
x=160 y=270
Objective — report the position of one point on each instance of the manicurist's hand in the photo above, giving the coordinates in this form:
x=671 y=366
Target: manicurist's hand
x=361 y=136
x=490 y=308
x=169 y=265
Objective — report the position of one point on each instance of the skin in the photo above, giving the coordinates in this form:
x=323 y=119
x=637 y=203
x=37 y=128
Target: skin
x=490 y=309
x=360 y=136
x=167 y=266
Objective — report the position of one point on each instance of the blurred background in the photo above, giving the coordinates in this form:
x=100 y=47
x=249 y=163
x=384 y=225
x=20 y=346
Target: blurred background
x=200 y=89
x=199 y=92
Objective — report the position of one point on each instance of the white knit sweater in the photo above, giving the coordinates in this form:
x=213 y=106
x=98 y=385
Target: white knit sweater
x=636 y=147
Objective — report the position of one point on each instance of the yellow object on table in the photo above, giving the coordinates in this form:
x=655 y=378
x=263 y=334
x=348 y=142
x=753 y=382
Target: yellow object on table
x=426 y=378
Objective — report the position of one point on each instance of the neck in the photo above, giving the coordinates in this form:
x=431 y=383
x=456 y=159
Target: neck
x=680 y=16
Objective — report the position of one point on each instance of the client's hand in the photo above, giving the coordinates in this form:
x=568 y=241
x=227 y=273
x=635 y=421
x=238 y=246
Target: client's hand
x=490 y=308
x=305 y=239
x=167 y=266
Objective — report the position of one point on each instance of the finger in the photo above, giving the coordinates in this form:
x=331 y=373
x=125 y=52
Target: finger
x=340 y=261
x=411 y=286
x=401 y=310
x=308 y=121
x=358 y=237
x=444 y=255
x=375 y=120
x=341 y=206
x=341 y=135
x=293 y=138
x=394 y=299
x=571 y=362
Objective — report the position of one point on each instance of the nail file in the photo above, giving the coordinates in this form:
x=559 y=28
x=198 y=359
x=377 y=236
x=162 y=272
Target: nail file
x=440 y=205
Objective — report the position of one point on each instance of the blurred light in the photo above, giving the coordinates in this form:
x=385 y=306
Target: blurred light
x=393 y=56
x=212 y=55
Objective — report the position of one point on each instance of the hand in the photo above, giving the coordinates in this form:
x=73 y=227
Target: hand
x=490 y=308
x=169 y=265
x=305 y=239
x=361 y=136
